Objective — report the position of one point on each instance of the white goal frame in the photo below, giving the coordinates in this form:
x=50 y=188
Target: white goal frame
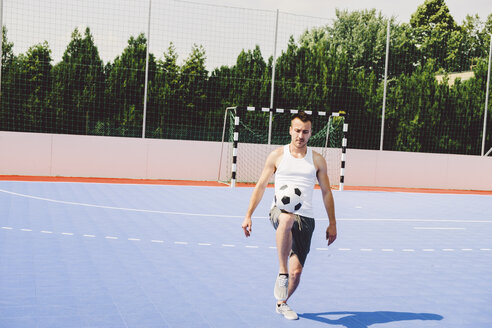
x=237 y=117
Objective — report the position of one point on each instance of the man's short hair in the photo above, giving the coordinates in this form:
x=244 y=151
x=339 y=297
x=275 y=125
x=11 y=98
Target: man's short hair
x=303 y=117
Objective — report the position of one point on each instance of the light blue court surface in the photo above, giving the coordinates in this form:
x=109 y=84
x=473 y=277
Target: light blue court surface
x=112 y=255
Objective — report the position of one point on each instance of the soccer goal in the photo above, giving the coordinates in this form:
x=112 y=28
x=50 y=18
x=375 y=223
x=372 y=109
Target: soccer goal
x=246 y=141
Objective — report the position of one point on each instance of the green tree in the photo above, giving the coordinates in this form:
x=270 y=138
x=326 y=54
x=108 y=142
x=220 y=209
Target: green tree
x=468 y=44
x=192 y=94
x=165 y=94
x=7 y=51
x=465 y=130
x=250 y=81
x=433 y=28
x=126 y=83
x=250 y=86
x=291 y=79
x=221 y=94
x=344 y=71
x=78 y=89
x=488 y=24
x=34 y=86
x=7 y=87
x=193 y=80
x=416 y=105
x=404 y=53
x=362 y=36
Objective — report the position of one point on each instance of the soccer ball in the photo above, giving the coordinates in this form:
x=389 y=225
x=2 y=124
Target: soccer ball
x=288 y=198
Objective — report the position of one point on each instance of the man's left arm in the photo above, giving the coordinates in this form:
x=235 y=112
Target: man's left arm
x=324 y=183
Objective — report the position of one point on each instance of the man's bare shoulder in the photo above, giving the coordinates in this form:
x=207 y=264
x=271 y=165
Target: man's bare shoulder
x=279 y=151
x=275 y=155
x=318 y=159
x=317 y=156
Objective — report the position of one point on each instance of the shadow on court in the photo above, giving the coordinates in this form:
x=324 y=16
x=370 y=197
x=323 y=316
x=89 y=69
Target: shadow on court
x=366 y=319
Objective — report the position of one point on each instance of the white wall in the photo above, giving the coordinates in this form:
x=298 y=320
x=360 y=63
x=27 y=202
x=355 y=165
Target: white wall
x=114 y=157
x=418 y=170
x=108 y=157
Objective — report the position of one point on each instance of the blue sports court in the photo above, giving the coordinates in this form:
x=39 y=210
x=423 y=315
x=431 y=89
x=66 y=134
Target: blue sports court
x=123 y=255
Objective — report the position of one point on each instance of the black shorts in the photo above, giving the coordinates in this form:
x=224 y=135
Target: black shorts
x=301 y=235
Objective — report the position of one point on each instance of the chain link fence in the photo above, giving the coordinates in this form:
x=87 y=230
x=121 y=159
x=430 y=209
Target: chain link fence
x=100 y=68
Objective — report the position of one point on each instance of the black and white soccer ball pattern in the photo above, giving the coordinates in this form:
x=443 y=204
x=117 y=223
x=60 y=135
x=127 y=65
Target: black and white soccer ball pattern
x=288 y=198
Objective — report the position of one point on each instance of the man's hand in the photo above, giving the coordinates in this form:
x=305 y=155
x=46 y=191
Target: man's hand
x=247 y=223
x=331 y=233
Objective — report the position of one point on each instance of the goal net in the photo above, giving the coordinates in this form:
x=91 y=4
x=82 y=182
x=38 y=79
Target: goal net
x=246 y=141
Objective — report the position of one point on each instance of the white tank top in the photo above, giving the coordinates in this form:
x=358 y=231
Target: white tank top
x=300 y=172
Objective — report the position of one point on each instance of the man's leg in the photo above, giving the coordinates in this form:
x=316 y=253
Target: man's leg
x=301 y=243
x=284 y=240
x=283 y=223
x=295 y=271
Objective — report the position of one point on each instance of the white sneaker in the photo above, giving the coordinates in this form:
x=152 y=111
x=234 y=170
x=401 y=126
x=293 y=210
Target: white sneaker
x=286 y=311
x=280 y=291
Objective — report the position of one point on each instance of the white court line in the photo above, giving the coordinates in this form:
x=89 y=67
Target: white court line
x=438 y=228
x=256 y=246
x=120 y=208
x=407 y=220
x=225 y=215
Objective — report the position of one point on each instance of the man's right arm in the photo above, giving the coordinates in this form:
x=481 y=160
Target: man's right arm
x=259 y=189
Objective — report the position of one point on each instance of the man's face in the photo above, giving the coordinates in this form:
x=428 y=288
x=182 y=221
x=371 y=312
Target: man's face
x=300 y=132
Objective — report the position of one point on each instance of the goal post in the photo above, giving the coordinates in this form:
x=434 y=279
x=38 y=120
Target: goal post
x=245 y=141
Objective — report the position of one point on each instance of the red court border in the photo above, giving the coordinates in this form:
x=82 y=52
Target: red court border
x=218 y=184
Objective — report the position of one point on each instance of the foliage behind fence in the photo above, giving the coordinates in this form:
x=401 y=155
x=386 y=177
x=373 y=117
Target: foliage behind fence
x=321 y=64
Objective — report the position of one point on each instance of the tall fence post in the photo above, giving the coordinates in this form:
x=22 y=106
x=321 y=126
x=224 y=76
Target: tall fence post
x=146 y=74
x=385 y=84
x=272 y=91
x=486 y=101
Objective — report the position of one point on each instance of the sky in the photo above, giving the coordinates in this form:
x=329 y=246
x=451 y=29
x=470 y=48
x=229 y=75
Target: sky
x=402 y=9
x=222 y=27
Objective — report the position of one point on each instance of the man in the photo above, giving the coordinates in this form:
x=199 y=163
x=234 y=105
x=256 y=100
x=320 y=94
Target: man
x=298 y=164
